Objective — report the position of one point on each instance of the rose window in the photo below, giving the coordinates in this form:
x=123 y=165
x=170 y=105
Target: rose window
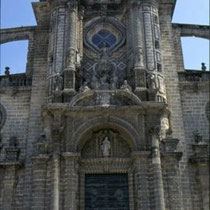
x=104 y=38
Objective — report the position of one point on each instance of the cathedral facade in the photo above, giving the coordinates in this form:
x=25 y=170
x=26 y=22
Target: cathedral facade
x=105 y=116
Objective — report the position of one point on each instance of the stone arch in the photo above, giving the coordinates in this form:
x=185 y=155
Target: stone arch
x=16 y=34
x=89 y=98
x=21 y=34
x=124 y=128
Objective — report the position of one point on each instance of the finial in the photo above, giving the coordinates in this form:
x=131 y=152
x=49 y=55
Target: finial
x=7 y=72
x=203 y=66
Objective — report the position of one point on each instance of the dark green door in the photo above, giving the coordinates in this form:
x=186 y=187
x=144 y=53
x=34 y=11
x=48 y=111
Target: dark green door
x=106 y=192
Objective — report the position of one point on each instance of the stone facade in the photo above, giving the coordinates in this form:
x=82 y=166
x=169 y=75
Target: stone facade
x=105 y=116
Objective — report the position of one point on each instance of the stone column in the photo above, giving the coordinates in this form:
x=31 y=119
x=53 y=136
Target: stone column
x=57 y=129
x=9 y=183
x=80 y=32
x=159 y=200
x=137 y=44
x=57 y=45
x=201 y=159
x=39 y=181
x=69 y=72
x=170 y=163
x=55 y=196
x=141 y=179
x=153 y=54
x=71 y=182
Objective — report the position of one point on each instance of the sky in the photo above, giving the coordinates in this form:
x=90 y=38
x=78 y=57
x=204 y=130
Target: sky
x=16 y=13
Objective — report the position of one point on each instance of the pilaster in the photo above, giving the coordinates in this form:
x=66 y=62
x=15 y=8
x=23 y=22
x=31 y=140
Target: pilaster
x=39 y=181
x=201 y=159
x=159 y=199
x=71 y=180
x=141 y=178
x=170 y=165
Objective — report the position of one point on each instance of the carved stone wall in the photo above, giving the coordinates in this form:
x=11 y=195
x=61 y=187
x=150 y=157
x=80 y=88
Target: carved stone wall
x=101 y=96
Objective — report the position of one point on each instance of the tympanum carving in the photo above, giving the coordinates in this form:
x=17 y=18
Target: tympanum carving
x=106 y=143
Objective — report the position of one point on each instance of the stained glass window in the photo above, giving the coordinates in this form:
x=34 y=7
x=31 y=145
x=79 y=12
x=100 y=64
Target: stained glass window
x=104 y=38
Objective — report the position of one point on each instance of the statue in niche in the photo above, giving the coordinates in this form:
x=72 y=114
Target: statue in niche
x=151 y=81
x=125 y=86
x=106 y=147
x=84 y=88
x=58 y=82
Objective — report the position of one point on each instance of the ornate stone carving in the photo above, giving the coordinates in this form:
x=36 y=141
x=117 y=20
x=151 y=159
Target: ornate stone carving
x=125 y=86
x=152 y=82
x=110 y=24
x=105 y=143
x=72 y=4
x=84 y=88
x=104 y=75
x=58 y=82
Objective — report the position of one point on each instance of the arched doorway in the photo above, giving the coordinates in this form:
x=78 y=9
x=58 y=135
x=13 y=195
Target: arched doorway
x=106 y=181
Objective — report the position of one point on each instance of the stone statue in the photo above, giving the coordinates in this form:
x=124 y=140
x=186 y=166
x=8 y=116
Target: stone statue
x=203 y=66
x=105 y=147
x=84 y=88
x=125 y=86
x=7 y=72
x=58 y=82
x=151 y=81
x=198 y=137
x=104 y=77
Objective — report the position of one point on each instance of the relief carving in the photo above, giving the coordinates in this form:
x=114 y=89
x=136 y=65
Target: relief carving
x=105 y=143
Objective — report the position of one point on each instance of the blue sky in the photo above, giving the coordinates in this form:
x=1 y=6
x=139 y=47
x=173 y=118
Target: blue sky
x=16 y=13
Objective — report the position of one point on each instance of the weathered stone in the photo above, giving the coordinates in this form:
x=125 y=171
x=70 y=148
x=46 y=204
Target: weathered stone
x=94 y=112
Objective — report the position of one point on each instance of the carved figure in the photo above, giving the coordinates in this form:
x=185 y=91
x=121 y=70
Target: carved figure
x=151 y=81
x=58 y=82
x=125 y=86
x=84 y=88
x=104 y=77
x=198 y=136
x=105 y=147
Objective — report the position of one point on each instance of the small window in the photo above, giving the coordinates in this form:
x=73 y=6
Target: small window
x=104 y=38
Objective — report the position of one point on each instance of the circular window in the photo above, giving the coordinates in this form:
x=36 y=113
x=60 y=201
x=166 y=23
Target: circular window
x=2 y=116
x=104 y=32
x=104 y=38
